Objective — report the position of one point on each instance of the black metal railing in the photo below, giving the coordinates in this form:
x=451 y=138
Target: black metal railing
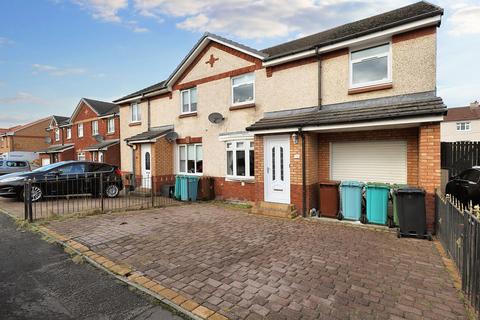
x=458 y=229
x=92 y=193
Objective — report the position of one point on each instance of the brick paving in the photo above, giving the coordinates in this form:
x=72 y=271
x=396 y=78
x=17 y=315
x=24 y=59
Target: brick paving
x=252 y=267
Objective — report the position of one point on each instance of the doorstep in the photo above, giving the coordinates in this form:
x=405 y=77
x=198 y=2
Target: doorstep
x=355 y=224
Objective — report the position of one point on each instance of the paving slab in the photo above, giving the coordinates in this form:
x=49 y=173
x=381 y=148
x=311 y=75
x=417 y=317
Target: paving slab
x=244 y=266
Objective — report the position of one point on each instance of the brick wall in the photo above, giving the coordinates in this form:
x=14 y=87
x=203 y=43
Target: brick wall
x=112 y=155
x=259 y=172
x=429 y=166
x=234 y=190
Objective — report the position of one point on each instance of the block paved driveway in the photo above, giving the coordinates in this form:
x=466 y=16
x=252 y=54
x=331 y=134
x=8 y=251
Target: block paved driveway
x=246 y=266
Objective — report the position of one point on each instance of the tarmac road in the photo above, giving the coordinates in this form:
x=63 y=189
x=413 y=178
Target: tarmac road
x=38 y=280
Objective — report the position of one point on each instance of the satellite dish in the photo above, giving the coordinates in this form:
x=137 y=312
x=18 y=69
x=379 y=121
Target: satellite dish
x=215 y=117
x=171 y=136
x=48 y=140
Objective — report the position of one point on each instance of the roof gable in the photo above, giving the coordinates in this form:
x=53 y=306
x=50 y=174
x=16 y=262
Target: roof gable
x=99 y=108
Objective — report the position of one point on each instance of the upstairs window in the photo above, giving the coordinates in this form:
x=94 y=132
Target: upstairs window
x=57 y=134
x=69 y=133
x=463 y=126
x=111 y=125
x=135 y=112
x=370 y=66
x=80 y=130
x=243 y=89
x=240 y=159
x=189 y=100
x=94 y=128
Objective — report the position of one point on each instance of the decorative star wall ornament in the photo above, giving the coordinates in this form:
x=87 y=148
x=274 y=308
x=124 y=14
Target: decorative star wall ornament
x=211 y=61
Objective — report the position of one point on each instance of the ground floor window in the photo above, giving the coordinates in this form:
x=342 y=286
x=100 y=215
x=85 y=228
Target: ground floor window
x=190 y=158
x=240 y=159
x=81 y=156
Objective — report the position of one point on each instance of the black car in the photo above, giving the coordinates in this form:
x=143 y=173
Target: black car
x=64 y=178
x=465 y=186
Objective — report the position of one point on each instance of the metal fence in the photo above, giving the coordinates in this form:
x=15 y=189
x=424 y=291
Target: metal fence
x=94 y=193
x=458 y=229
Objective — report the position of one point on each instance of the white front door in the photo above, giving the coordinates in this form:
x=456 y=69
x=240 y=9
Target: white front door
x=277 y=169
x=146 y=162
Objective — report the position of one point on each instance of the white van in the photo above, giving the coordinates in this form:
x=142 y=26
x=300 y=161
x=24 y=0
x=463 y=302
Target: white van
x=20 y=156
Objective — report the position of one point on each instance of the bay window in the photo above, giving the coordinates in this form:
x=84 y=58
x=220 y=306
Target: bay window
x=240 y=159
x=370 y=66
x=189 y=100
x=243 y=89
x=190 y=158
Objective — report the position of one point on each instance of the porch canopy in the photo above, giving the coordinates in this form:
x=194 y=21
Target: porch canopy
x=56 y=149
x=390 y=112
x=102 y=146
x=150 y=135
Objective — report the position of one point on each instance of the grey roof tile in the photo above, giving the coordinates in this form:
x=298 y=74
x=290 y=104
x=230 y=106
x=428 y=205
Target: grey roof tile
x=101 y=107
x=150 y=134
x=353 y=112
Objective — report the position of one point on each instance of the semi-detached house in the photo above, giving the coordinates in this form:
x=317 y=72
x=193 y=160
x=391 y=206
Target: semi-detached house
x=356 y=102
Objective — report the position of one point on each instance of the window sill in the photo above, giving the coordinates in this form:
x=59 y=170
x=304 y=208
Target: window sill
x=110 y=133
x=242 y=106
x=374 y=87
x=187 y=115
x=240 y=179
x=189 y=174
x=133 y=124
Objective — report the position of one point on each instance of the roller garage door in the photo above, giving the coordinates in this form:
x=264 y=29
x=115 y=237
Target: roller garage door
x=369 y=161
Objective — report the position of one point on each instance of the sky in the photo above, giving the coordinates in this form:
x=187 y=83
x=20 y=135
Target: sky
x=54 y=52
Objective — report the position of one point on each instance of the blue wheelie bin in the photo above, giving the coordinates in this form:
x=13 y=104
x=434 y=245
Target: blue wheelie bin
x=351 y=194
x=192 y=182
x=178 y=186
x=377 y=202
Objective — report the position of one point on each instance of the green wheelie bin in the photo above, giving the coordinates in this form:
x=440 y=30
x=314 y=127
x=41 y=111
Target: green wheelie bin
x=395 y=201
x=377 y=202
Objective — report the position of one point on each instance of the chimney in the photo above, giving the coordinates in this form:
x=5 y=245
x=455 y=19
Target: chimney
x=474 y=104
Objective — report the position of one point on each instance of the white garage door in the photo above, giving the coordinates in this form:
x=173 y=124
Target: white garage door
x=369 y=161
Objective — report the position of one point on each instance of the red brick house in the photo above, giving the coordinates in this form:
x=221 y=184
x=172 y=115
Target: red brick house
x=91 y=133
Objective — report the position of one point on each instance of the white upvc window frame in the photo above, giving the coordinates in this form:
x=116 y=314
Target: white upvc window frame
x=57 y=134
x=179 y=147
x=69 y=133
x=135 y=114
x=189 y=90
x=467 y=126
x=232 y=145
x=388 y=54
x=81 y=156
x=232 y=86
x=111 y=125
x=80 y=130
x=94 y=127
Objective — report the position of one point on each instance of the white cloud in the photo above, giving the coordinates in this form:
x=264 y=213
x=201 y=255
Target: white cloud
x=56 y=71
x=106 y=10
x=262 y=19
x=23 y=98
x=465 y=20
x=5 y=41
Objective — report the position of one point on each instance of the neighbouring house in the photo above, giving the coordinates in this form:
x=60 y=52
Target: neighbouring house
x=461 y=124
x=356 y=102
x=28 y=137
x=92 y=133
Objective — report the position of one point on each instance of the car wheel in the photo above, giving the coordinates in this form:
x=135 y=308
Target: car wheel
x=112 y=191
